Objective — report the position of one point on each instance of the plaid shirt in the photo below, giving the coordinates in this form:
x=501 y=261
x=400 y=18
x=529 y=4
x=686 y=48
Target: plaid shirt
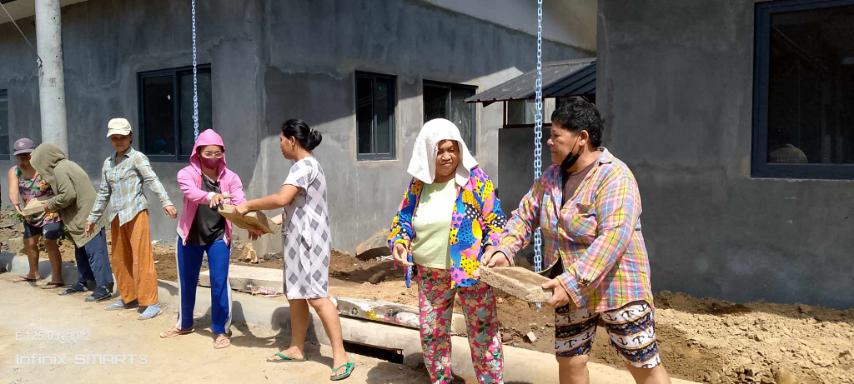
x=596 y=234
x=121 y=185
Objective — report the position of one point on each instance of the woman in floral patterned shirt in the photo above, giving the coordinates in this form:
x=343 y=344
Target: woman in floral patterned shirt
x=449 y=217
x=25 y=182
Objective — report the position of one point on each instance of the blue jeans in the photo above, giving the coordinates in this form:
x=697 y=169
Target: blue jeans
x=189 y=265
x=93 y=262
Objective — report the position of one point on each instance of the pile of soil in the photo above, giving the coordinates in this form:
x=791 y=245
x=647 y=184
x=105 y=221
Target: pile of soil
x=701 y=339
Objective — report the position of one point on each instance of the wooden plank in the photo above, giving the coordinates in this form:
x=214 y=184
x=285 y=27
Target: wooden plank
x=251 y=220
x=517 y=281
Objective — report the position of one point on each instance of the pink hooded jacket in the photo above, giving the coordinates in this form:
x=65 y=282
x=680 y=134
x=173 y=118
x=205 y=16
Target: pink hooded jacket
x=190 y=181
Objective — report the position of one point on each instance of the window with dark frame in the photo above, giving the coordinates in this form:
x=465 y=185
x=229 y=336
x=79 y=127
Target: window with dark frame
x=804 y=90
x=448 y=100
x=166 y=111
x=4 y=124
x=376 y=99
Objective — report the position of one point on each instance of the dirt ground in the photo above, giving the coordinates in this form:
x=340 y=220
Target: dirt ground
x=701 y=339
x=41 y=344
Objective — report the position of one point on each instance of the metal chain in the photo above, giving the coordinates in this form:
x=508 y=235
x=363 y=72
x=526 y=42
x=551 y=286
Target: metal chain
x=538 y=129
x=195 y=79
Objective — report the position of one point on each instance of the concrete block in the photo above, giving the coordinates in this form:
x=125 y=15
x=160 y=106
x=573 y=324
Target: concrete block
x=377 y=245
x=244 y=278
x=34 y=206
x=18 y=264
x=390 y=313
x=251 y=220
x=269 y=317
x=517 y=281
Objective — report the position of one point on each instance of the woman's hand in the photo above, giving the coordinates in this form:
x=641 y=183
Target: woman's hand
x=492 y=257
x=90 y=228
x=560 y=297
x=400 y=253
x=254 y=235
x=18 y=209
x=217 y=200
x=242 y=208
x=171 y=211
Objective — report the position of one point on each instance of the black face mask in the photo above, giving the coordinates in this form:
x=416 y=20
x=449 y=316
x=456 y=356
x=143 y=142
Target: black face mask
x=569 y=160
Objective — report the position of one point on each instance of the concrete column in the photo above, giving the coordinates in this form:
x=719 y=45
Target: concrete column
x=51 y=79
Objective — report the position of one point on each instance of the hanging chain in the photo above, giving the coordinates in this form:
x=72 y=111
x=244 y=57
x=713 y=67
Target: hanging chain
x=538 y=129
x=195 y=79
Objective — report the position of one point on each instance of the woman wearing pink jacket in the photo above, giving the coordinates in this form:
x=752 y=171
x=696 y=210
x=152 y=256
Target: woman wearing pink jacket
x=206 y=184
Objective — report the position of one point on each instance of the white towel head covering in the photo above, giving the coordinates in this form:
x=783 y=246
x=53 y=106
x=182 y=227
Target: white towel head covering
x=422 y=166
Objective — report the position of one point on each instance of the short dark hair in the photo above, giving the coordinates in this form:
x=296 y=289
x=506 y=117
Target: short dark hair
x=580 y=115
x=308 y=138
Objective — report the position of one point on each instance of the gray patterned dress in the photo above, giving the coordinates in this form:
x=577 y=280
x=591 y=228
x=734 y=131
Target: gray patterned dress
x=305 y=233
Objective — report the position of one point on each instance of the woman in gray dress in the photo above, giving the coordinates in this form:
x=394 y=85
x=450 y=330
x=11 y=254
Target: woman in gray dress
x=306 y=237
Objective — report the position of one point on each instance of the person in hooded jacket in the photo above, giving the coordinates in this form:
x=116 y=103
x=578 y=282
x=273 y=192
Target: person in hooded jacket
x=73 y=199
x=206 y=183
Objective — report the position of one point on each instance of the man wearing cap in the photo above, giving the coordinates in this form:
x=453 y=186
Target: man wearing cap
x=122 y=177
x=74 y=198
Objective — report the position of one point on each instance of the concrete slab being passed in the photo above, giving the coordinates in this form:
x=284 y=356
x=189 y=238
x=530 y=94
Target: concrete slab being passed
x=517 y=281
x=251 y=220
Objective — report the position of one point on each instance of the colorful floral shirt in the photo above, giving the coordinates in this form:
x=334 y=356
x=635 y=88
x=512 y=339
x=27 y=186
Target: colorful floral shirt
x=34 y=188
x=476 y=222
x=596 y=234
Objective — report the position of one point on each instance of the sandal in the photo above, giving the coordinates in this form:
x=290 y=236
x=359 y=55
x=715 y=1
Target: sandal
x=76 y=288
x=281 y=357
x=348 y=370
x=52 y=285
x=175 y=331
x=222 y=341
x=21 y=279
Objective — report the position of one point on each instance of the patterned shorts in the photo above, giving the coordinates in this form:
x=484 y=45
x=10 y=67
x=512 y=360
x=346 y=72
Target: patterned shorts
x=630 y=328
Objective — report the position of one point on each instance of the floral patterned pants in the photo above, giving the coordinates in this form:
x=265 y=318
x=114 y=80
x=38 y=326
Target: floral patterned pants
x=436 y=302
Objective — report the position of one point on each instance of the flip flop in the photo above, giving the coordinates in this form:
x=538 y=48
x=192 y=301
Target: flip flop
x=173 y=332
x=222 y=341
x=283 y=358
x=52 y=285
x=348 y=370
x=22 y=279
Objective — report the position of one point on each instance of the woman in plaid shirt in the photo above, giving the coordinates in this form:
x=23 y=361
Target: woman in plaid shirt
x=588 y=207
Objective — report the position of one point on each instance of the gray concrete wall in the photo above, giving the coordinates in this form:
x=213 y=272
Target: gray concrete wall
x=310 y=75
x=272 y=60
x=675 y=85
x=106 y=43
x=516 y=163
